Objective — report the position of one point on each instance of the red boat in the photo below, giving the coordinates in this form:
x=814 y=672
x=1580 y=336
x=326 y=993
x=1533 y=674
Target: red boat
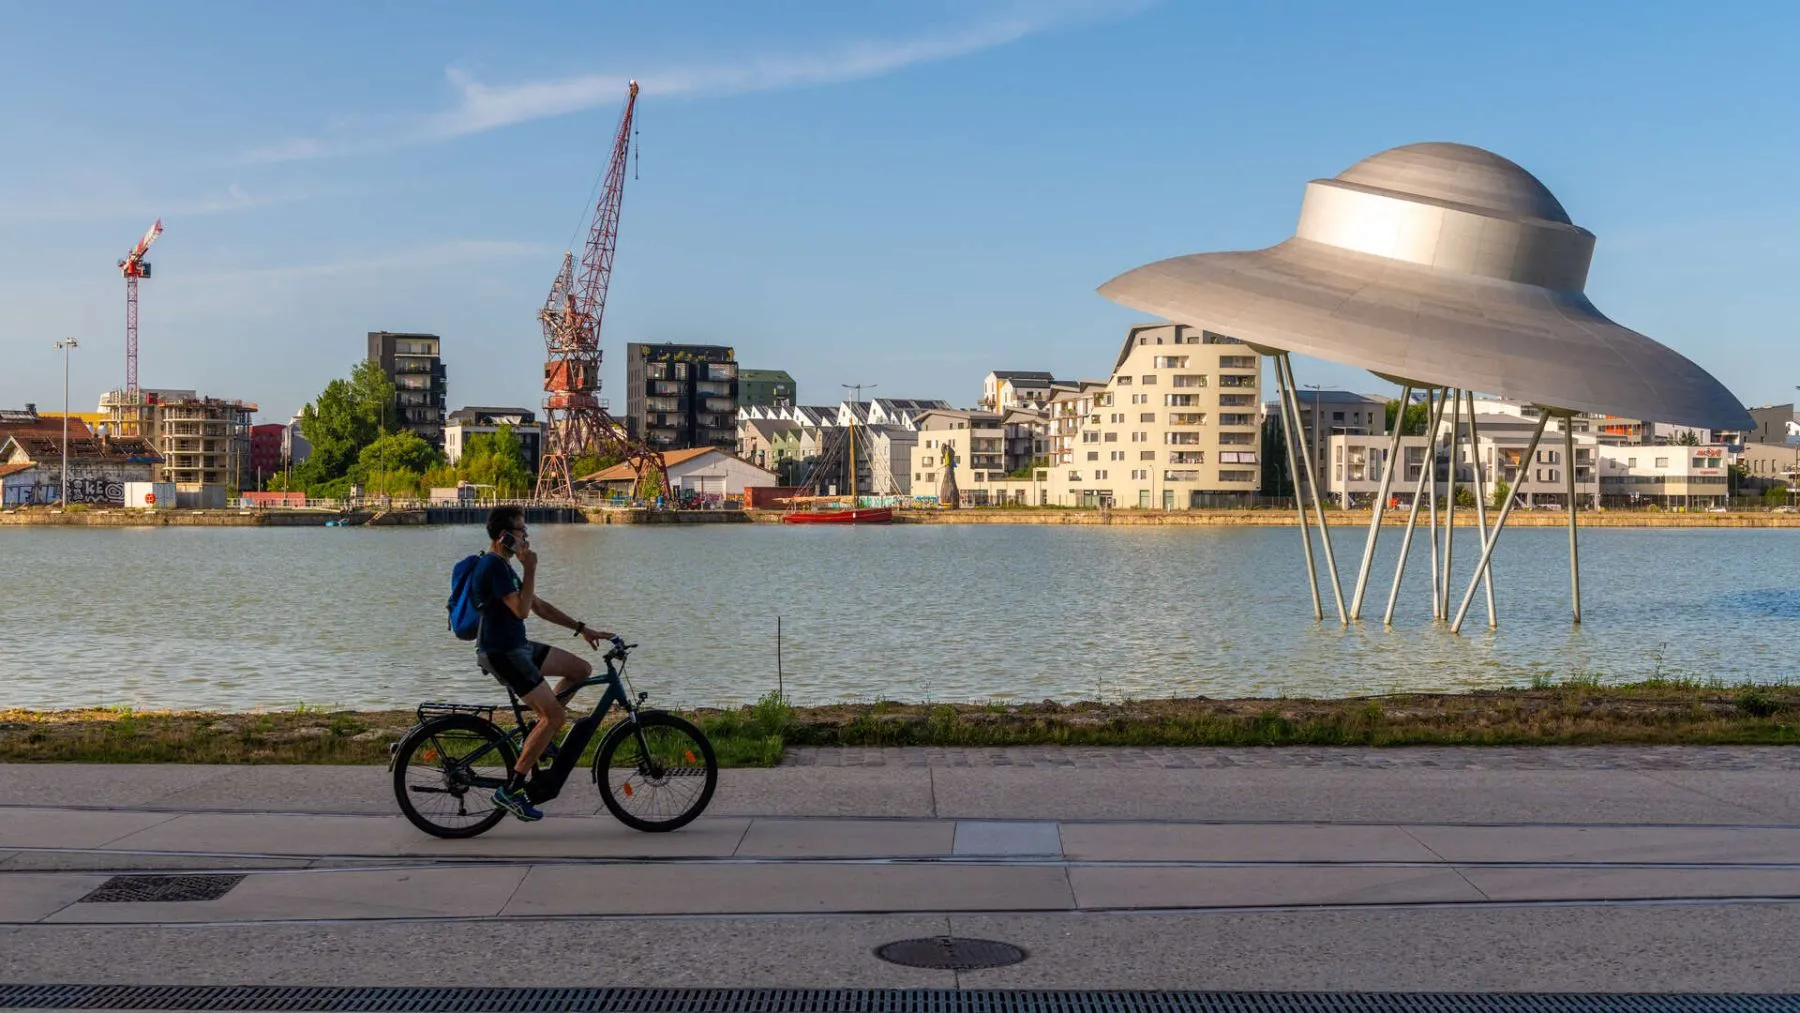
x=861 y=515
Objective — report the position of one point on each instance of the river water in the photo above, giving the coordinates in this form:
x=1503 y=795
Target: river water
x=246 y=618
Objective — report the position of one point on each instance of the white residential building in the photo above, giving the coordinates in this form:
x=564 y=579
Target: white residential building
x=1176 y=426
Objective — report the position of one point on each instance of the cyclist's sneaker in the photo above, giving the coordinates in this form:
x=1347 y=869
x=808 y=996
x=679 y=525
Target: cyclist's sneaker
x=518 y=804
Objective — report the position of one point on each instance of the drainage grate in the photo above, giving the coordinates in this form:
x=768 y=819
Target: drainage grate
x=130 y=889
x=951 y=953
x=785 y=1000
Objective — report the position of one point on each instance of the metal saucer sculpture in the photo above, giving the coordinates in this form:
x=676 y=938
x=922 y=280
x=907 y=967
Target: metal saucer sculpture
x=1448 y=270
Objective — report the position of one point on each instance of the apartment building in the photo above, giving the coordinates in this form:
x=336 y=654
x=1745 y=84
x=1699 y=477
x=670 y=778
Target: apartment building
x=415 y=364
x=773 y=388
x=1328 y=413
x=1688 y=477
x=464 y=423
x=1357 y=463
x=1014 y=388
x=1175 y=427
x=681 y=396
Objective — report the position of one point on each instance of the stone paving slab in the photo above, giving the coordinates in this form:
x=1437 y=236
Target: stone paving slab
x=991 y=838
x=30 y=898
x=29 y=828
x=1610 y=844
x=1553 y=884
x=847 y=838
x=1265 y=886
x=407 y=893
x=1746 y=758
x=1334 y=795
x=308 y=835
x=1139 y=842
x=789 y=889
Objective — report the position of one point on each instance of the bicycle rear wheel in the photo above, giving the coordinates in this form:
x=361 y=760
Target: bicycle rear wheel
x=445 y=773
x=656 y=774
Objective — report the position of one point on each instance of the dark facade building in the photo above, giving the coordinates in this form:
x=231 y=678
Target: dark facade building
x=771 y=388
x=413 y=362
x=266 y=441
x=680 y=396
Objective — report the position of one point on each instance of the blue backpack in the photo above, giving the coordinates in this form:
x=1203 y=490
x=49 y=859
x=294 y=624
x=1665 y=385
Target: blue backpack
x=465 y=613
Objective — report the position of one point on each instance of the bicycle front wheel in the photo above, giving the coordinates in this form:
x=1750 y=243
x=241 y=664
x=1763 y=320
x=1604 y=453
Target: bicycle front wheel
x=656 y=773
x=445 y=773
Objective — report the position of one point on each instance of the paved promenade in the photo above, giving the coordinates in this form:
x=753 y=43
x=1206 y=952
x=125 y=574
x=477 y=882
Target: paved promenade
x=1512 y=870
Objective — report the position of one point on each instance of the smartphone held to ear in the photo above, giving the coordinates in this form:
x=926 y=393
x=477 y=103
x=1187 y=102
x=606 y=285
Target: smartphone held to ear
x=508 y=542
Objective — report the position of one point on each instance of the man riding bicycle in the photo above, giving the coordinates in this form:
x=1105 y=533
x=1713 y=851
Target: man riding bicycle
x=501 y=648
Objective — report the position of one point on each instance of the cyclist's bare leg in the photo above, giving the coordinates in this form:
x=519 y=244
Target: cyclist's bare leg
x=568 y=669
x=551 y=714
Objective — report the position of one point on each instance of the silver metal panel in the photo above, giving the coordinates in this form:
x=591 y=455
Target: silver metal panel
x=1442 y=303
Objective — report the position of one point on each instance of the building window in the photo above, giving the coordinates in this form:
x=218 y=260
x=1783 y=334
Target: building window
x=1146 y=455
x=1112 y=437
x=1149 y=379
x=1118 y=455
x=1180 y=400
x=1237 y=380
x=1138 y=437
x=1147 y=417
x=1337 y=416
x=1169 y=362
x=1189 y=380
x=1122 y=381
x=1237 y=476
x=1237 y=362
x=1236 y=419
x=1099 y=476
x=1662 y=462
x=1181 y=476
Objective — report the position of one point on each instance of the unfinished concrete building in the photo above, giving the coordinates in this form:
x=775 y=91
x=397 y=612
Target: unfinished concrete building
x=202 y=440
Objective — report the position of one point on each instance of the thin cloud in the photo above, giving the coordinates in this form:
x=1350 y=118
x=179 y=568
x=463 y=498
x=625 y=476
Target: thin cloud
x=482 y=107
x=233 y=199
x=432 y=256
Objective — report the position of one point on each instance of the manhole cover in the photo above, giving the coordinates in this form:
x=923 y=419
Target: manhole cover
x=126 y=889
x=950 y=953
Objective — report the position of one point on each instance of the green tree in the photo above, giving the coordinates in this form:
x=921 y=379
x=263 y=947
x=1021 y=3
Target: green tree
x=1465 y=497
x=497 y=459
x=1775 y=495
x=347 y=416
x=1418 y=416
x=1501 y=490
x=1686 y=438
x=401 y=451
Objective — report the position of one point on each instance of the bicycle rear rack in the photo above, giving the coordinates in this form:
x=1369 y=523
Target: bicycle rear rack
x=439 y=708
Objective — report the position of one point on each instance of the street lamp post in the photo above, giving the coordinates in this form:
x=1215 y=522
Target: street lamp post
x=62 y=495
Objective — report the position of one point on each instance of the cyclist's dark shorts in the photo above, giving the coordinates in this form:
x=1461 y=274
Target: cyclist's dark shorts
x=519 y=668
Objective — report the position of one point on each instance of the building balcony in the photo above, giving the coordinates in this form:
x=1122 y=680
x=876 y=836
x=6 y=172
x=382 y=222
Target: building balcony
x=719 y=404
x=1236 y=380
x=665 y=404
x=721 y=371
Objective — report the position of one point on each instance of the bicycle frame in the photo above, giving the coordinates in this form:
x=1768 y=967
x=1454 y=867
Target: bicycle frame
x=545 y=785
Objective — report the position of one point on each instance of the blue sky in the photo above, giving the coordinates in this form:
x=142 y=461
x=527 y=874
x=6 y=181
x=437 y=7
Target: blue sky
x=903 y=194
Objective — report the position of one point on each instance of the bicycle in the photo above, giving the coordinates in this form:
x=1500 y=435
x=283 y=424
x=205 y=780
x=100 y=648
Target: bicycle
x=458 y=754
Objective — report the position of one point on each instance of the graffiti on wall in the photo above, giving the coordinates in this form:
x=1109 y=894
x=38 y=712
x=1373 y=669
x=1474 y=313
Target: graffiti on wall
x=81 y=490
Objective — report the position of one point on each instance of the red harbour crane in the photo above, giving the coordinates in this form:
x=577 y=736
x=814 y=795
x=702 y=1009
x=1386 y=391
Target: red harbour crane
x=576 y=424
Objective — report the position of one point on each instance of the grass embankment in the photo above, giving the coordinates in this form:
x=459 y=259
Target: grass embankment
x=1577 y=712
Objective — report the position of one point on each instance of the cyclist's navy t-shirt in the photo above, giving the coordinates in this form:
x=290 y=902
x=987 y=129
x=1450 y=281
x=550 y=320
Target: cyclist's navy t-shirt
x=500 y=629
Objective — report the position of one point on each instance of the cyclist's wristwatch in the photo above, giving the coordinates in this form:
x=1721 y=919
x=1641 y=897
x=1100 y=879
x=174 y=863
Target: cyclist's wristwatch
x=579 y=627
